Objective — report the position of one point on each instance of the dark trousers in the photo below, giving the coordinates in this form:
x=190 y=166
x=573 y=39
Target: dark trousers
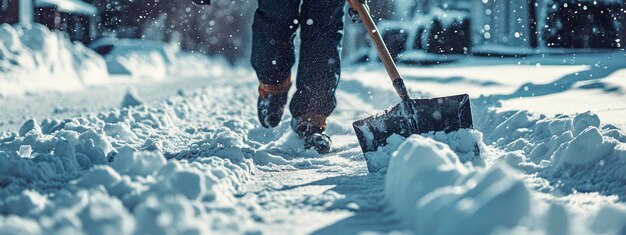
x=273 y=32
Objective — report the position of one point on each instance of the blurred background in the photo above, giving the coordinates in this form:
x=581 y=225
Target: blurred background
x=452 y=27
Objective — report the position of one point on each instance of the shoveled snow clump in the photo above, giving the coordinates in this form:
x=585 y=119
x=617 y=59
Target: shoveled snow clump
x=109 y=174
x=434 y=191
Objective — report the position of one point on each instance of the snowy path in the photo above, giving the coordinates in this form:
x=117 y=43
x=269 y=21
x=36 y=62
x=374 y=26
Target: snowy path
x=286 y=192
x=18 y=109
x=330 y=194
x=328 y=201
x=197 y=161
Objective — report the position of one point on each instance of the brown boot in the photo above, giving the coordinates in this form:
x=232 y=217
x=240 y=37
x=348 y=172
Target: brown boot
x=271 y=103
x=311 y=129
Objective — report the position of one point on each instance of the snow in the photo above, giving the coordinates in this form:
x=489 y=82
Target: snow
x=77 y=156
x=448 y=17
x=69 y=6
x=456 y=194
x=581 y=156
x=501 y=50
x=35 y=59
x=131 y=99
x=421 y=57
x=155 y=60
x=189 y=157
x=129 y=162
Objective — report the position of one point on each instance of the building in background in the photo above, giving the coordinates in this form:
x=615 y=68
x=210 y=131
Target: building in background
x=499 y=22
x=14 y=11
x=542 y=24
x=74 y=17
x=497 y=27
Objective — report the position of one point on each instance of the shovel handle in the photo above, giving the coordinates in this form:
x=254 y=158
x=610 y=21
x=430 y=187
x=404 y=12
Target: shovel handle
x=361 y=7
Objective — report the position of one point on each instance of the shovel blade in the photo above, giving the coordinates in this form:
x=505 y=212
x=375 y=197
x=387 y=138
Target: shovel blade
x=415 y=116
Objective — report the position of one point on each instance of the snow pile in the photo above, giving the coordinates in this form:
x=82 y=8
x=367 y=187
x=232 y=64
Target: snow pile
x=139 y=64
x=194 y=64
x=177 y=167
x=108 y=174
x=434 y=192
x=377 y=162
x=576 y=152
x=155 y=60
x=34 y=58
x=467 y=144
x=453 y=194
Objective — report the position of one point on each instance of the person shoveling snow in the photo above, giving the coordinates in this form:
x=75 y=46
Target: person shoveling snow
x=321 y=22
x=274 y=28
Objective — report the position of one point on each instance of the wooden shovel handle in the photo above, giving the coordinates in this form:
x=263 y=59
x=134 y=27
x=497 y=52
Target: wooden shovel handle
x=383 y=52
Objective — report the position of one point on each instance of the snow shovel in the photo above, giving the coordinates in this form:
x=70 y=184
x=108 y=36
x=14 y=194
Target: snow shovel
x=411 y=116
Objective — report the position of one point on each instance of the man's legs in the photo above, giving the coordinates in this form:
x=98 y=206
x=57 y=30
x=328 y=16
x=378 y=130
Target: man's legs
x=273 y=31
x=319 y=68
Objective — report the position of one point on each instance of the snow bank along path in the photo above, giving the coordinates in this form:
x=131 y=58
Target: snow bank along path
x=200 y=163
x=35 y=59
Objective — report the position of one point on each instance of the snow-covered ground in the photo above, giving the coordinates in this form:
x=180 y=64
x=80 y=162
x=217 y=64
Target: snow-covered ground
x=192 y=158
x=549 y=84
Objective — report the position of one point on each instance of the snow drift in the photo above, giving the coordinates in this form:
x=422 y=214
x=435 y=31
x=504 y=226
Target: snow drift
x=122 y=171
x=34 y=58
x=170 y=168
x=434 y=192
x=437 y=181
x=467 y=144
x=576 y=151
x=454 y=193
x=108 y=174
x=156 y=60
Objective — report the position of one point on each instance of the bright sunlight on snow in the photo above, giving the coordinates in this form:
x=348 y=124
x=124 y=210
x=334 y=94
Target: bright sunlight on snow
x=165 y=117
